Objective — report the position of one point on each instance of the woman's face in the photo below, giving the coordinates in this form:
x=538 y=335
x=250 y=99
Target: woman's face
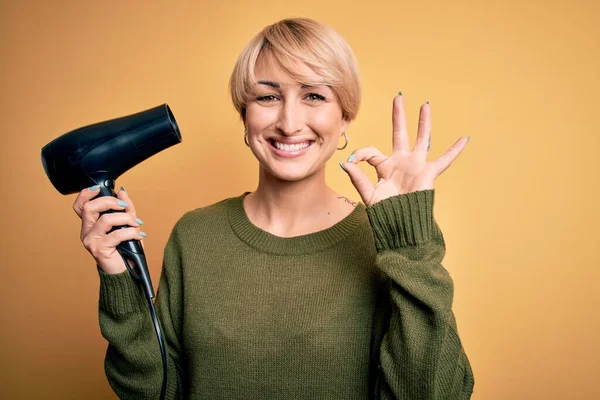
x=292 y=130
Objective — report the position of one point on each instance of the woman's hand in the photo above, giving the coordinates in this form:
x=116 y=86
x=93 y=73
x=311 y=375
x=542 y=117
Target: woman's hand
x=404 y=171
x=94 y=228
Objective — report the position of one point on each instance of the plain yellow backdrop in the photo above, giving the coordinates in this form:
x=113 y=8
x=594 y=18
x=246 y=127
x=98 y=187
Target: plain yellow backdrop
x=518 y=208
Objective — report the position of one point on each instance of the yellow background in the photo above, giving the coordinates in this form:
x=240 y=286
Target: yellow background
x=518 y=208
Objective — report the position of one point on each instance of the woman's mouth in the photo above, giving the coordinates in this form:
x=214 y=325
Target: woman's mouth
x=290 y=150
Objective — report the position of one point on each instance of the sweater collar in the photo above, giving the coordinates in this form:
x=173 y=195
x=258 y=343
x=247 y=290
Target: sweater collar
x=304 y=244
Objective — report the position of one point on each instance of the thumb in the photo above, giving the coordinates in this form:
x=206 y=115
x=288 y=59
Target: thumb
x=359 y=179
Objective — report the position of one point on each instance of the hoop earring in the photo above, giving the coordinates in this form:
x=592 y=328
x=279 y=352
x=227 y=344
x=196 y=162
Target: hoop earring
x=246 y=137
x=345 y=144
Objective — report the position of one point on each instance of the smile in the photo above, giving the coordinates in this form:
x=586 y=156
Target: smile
x=290 y=149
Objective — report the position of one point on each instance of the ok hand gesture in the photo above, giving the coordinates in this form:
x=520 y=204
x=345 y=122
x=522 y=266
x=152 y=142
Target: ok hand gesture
x=404 y=171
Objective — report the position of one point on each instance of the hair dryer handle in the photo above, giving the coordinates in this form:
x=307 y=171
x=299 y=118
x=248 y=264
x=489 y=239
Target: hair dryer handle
x=131 y=250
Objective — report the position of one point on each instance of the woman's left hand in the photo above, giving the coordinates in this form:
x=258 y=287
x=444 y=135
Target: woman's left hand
x=404 y=171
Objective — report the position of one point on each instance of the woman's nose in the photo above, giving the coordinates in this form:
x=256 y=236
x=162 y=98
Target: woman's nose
x=291 y=118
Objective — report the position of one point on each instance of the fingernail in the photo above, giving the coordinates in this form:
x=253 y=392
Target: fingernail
x=122 y=203
x=468 y=138
x=123 y=189
x=399 y=93
x=95 y=187
x=351 y=158
x=342 y=165
x=143 y=234
x=139 y=221
x=427 y=102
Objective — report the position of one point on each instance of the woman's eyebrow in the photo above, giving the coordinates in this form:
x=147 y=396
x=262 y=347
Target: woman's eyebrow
x=269 y=83
x=277 y=86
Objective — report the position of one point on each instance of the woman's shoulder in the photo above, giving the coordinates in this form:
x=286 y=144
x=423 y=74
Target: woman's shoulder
x=214 y=214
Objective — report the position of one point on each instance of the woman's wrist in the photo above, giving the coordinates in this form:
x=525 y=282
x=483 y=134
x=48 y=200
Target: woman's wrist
x=403 y=220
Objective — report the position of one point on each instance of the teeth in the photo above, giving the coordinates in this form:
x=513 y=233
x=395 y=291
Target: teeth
x=291 y=147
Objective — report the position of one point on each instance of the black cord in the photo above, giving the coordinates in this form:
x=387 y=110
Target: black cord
x=159 y=335
x=163 y=350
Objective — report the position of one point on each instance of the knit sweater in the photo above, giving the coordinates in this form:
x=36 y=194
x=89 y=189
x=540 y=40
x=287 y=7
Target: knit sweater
x=360 y=310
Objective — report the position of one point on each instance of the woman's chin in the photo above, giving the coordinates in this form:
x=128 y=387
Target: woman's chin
x=289 y=174
x=291 y=177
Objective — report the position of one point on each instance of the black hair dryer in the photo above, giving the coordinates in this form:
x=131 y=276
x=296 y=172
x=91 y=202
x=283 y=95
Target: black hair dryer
x=98 y=154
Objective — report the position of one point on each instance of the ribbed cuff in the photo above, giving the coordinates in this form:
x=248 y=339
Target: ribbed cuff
x=119 y=293
x=403 y=220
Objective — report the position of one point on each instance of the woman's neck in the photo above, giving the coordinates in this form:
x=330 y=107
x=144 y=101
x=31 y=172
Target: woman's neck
x=296 y=208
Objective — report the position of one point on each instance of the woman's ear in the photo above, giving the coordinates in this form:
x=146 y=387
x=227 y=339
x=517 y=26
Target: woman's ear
x=345 y=125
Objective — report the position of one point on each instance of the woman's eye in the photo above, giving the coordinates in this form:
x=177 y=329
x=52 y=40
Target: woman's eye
x=267 y=99
x=311 y=97
x=315 y=97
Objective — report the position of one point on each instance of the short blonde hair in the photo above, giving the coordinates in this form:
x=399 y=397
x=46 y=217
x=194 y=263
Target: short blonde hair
x=300 y=39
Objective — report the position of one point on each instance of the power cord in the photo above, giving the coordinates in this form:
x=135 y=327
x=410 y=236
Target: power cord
x=159 y=334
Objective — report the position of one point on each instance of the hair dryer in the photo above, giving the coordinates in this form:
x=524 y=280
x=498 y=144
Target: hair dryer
x=98 y=154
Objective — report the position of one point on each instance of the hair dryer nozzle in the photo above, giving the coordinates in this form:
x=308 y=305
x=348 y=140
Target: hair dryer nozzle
x=105 y=150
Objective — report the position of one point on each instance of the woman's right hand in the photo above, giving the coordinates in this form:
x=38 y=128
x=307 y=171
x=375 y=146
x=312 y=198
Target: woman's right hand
x=94 y=228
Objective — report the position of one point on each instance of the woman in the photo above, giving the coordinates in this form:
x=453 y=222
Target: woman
x=293 y=291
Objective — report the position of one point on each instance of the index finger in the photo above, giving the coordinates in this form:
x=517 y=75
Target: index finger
x=83 y=197
x=399 y=131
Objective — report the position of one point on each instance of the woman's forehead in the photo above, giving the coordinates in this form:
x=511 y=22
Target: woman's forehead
x=270 y=70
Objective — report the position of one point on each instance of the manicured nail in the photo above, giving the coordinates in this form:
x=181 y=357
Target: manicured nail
x=123 y=189
x=95 y=187
x=143 y=234
x=139 y=221
x=122 y=203
x=342 y=165
x=399 y=93
x=351 y=158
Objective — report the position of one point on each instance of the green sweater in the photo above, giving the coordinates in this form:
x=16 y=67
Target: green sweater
x=361 y=310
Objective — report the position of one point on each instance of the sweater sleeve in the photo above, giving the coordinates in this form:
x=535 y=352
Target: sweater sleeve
x=421 y=355
x=133 y=362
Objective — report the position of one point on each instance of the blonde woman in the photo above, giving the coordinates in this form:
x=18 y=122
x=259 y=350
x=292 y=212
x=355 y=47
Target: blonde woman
x=293 y=291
